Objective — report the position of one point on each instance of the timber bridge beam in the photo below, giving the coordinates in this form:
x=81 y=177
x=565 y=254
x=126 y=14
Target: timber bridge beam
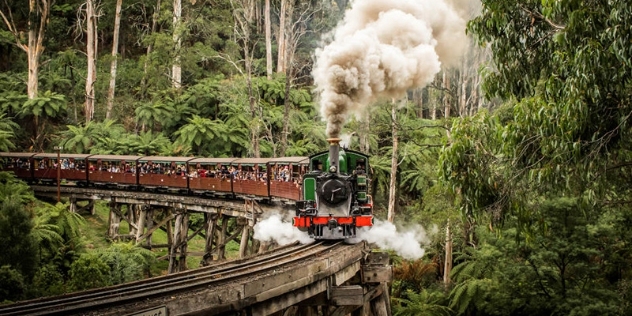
x=225 y=219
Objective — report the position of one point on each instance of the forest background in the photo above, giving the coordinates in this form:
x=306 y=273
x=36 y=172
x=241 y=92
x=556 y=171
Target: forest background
x=519 y=155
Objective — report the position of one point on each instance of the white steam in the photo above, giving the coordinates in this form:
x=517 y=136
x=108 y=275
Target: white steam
x=408 y=243
x=381 y=49
x=275 y=229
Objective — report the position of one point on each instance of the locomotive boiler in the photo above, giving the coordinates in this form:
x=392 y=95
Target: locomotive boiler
x=335 y=194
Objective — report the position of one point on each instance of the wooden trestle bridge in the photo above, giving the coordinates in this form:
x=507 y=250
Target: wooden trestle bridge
x=317 y=279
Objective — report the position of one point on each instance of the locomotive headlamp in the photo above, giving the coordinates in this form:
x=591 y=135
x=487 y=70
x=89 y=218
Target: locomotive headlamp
x=332 y=169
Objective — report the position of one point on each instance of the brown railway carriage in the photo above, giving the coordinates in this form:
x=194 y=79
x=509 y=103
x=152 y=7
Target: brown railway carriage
x=286 y=176
x=112 y=170
x=161 y=172
x=210 y=175
x=72 y=167
x=18 y=163
x=250 y=176
x=275 y=178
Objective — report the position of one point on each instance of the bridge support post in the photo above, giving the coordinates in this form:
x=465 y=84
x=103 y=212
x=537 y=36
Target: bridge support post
x=142 y=216
x=114 y=221
x=221 y=242
x=184 y=230
x=73 y=205
x=210 y=221
x=243 y=245
x=178 y=247
x=131 y=219
x=150 y=224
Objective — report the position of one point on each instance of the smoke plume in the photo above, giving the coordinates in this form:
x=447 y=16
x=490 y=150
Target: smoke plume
x=275 y=229
x=381 y=49
x=408 y=243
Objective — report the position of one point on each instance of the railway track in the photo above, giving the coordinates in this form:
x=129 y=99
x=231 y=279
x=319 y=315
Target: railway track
x=170 y=286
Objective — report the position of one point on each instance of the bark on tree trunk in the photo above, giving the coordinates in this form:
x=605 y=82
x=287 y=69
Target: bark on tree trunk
x=37 y=22
x=420 y=102
x=463 y=96
x=177 y=69
x=281 y=38
x=446 y=94
x=115 y=43
x=448 y=256
x=91 y=51
x=286 y=113
x=392 y=194
x=143 y=82
x=268 y=30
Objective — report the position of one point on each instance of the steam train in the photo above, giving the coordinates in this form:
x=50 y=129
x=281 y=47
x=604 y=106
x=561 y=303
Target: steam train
x=329 y=188
x=335 y=194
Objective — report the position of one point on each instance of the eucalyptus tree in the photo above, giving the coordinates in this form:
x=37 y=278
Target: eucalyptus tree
x=113 y=66
x=37 y=20
x=176 y=69
x=244 y=13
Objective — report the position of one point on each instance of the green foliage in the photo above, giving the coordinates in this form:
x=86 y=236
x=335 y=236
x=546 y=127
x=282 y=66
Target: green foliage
x=126 y=262
x=12 y=101
x=92 y=137
x=12 y=285
x=48 y=104
x=202 y=132
x=426 y=302
x=472 y=167
x=145 y=144
x=570 y=84
x=549 y=270
x=88 y=272
x=7 y=128
x=152 y=113
x=48 y=281
x=20 y=248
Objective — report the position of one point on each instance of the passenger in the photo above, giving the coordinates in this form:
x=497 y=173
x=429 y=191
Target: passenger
x=360 y=167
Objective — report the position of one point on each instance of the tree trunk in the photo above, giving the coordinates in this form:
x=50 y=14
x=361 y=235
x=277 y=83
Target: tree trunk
x=37 y=22
x=448 y=256
x=268 y=30
x=392 y=192
x=143 y=82
x=286 y=113
x=253 y=106
x=446 y=94
x=91 y=51
x=463 y=95
x=281 y=38
x=177 y=69
x=419 y=97
x=115 y=43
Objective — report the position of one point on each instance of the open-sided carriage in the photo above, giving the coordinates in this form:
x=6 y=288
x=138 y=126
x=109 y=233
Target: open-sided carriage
x=113 y=171
x=210 y=176
x=161 y=173
x=287 y=176
x=17 y=163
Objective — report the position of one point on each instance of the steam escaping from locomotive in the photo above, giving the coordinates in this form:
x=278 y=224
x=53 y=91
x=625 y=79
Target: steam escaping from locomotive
x=275 y=228
x=382 y=49
x=407 y=242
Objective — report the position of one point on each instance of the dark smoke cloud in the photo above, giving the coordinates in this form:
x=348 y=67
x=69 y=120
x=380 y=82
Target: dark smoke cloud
x=381 y=49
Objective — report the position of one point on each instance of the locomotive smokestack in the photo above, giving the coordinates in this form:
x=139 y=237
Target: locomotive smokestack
x=334 y=153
